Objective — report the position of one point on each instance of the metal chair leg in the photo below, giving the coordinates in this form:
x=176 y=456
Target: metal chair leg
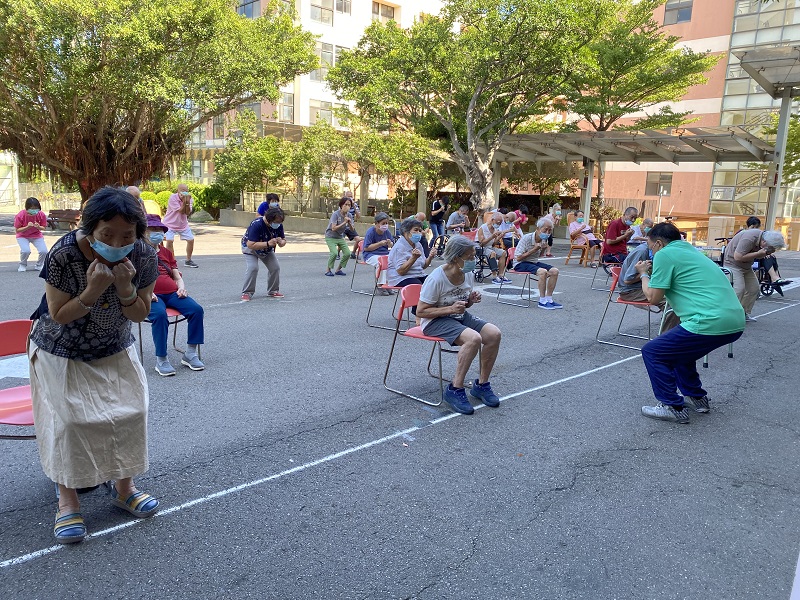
x=405 y=394
x=353 y=278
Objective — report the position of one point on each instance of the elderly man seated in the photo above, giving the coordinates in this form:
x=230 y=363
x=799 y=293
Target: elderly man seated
x=170 y=292
x=489 y=238
x=530 y=248
x=640 y=232
x=630 y=284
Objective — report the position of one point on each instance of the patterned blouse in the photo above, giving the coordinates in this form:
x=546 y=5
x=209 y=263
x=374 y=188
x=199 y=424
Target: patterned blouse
x=105 y=331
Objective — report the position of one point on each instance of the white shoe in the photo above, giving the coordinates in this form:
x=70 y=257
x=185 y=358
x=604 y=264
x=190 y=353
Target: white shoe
x=22 y=269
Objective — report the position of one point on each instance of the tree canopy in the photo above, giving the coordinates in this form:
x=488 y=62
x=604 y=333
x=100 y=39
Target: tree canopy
x=469 y=76
x=107 y=91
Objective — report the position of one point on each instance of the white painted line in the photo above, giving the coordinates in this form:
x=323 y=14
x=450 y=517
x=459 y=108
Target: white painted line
x=314 y=463
x=776 y=310
x=796 y=585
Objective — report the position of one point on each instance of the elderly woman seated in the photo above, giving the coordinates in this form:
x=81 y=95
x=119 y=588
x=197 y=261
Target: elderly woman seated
x=407 y=262
x=530 y=248
x=443 y=302
x=490 y=236
x=377 y=243
x=580 y=234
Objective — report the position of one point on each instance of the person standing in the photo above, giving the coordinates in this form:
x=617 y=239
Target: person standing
x=170 y=292
x=615 y=246
x=554 y=216
x=88 y=387
x=334 y=237
x=28 y=225
x=742 y=251
x=179 y=207
x=710 y=317
x=438 y=209
x=259 y=242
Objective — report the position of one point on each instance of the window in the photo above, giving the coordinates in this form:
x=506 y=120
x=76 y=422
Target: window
x=286 y=108
x=219 y=127
x=197 y=169
x=344 y=6
x=321 y=111
x=322 y=11
x=249 y=8
x=198 y=137
x=656 y=182
x=677 y=11
x=325 y=55
x=382 y=12
x=254 y=106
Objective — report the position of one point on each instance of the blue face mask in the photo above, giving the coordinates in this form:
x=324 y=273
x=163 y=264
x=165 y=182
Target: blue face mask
x=110 y=253
x=156 y=237
x=544 y=236
x=650 y=253
x=274 y=204
x=275 y=225
x=628 y=223
x=416 y=237
x=558 y=213
x=469 y=266
x=647 y=229
x=579 y=219
x=33 y=211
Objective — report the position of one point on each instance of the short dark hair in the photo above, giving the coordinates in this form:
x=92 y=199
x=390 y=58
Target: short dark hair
x=751 y=221
x=629 y=209
x=523 y=208
x=408 y=224
x=274 y=213
x=345 y=199
x=665 y=232
x=109 y=202
x=34 y=203
x=273 y=197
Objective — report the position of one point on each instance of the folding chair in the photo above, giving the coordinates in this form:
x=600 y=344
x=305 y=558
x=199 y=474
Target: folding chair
x=357 y=262
x=584 y=257
x=667 y=310
x=470 y=235
x=383 y=265
x=410 y=298
x=606 y=267
x=525 y=283
x=16 y=409
x=174 y=317
x=615 y=272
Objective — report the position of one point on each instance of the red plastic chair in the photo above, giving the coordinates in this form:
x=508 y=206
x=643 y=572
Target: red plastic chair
x=470 y=235
x=383 y=265
x=174 y=317
x=410 y=298
x=525 y=283
x=16 y=409
x=359 y=261
x=615 y=273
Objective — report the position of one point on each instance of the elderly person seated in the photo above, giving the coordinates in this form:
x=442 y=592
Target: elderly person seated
x=377 y=242
x=509 y=227
x=530 y=248
x=640 y=232
x=420 y=216
x=407 y=262
x=170 y=292
x=489 y=245
x=742 y=251
x=458 y=221
x=629 y=284
x=580 y=234
x=443 y=302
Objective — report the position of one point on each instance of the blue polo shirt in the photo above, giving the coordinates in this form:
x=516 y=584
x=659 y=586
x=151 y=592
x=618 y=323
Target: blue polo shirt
x=260 y=231
x=376 y=236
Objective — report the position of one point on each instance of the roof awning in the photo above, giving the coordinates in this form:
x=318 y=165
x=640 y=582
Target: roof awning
x=677 y=145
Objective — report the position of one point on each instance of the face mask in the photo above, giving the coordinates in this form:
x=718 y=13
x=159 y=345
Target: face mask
x=275 y=225
x=650 y=254
x=416 y=237
x=579 y=219
x=274 y=205
x=110 y=253
x=156 y=237
x=383 y=227
x=628 y=223
x=33 y=211
x=544 y=236
x=469 y=266
x=647 y=229
x=558 y=213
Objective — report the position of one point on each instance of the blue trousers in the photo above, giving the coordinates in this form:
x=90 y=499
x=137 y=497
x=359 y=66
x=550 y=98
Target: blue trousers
x=670 y=361
x=437 y=229
x=160 y=323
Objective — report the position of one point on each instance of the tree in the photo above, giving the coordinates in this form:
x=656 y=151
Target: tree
x=107 y=91
x=547 y=178
x=791 y=161
x=632 y=66
x=469 y=76
x=317 y=155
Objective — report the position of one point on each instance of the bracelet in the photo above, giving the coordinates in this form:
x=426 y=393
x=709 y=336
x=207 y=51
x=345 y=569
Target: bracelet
x=82 y=305
x=135 y=298
x=129 y=298
x=645 y=275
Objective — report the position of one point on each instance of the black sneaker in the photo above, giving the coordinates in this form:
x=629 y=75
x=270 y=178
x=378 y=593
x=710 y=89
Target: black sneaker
x=191 y=264
x=699 y=405
x=485 y=394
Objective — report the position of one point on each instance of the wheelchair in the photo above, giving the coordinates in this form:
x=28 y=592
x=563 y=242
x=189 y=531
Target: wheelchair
x=438 y=243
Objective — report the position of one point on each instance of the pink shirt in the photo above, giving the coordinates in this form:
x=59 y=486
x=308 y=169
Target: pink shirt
x=581 y=239
x=175 y=219
x=23 y=218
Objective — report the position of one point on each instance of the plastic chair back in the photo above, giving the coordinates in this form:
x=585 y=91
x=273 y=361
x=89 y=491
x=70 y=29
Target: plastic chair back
x=511 y=252
x=470 y=235
x=383 y=265
x=14 y=336
x=409 y=297
x=615 y=271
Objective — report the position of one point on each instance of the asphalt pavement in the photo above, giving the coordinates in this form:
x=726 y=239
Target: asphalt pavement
x=285 y=470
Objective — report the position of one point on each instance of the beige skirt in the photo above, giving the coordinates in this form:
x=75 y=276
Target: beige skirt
x=90 y=417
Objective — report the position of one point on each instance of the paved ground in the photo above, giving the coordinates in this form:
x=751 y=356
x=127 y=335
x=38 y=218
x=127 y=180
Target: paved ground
x=285 y=470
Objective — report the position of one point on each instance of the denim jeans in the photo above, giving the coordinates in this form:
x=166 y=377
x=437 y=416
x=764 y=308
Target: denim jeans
x=437 y=229
x=160 y=323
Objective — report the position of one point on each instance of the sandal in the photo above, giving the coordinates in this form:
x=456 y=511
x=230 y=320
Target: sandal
x=70 y=528
x=139 y=504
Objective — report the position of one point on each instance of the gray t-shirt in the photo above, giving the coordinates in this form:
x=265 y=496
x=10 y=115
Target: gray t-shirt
x=105 y=331
x=528 y=242
x=456 y=218
x=398 y=255
x=438 y=291
x=337 y=218
x=628 y=270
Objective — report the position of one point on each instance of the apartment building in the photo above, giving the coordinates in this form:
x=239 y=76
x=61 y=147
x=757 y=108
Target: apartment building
x=730 y=98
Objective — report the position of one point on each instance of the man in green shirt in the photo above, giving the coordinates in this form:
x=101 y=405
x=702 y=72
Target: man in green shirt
x=710 y=313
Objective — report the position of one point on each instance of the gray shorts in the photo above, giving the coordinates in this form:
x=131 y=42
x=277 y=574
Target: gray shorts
x=450 y=328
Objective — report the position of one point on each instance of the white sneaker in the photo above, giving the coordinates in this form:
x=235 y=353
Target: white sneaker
x=666 y=413
x=22 y=269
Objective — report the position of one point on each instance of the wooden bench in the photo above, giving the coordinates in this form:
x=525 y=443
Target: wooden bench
x=65 y=219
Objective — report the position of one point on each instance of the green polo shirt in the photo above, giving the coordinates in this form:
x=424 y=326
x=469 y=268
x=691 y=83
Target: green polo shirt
x=697 y=289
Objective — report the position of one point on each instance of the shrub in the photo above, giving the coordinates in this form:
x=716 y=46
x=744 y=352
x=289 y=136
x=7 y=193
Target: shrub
x=214 y=197
x=163 y=199
x=148 y=196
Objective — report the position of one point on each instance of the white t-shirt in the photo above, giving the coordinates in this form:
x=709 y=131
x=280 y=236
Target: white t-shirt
x=507 y=229
x=439 y=291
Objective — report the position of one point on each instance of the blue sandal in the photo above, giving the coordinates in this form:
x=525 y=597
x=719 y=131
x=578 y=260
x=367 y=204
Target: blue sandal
x=70 y=528
x=139 y=504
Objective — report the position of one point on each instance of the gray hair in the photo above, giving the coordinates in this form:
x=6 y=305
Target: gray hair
x=381 y=216
x=456 y=246
x=542 y=222
x=407 y=225
x=774 y=239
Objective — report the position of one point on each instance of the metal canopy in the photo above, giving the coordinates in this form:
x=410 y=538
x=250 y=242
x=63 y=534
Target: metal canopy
x=678 y=145
x=773 y=69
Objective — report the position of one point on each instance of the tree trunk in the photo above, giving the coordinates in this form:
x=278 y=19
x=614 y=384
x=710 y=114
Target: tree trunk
x=601 y=185
x=479 y=179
